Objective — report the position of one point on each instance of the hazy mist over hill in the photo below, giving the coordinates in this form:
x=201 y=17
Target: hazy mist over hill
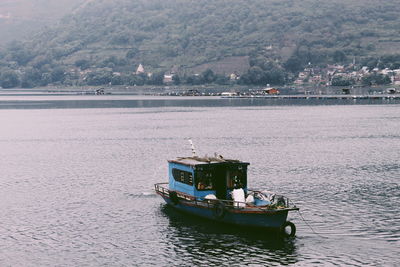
x=20 y=18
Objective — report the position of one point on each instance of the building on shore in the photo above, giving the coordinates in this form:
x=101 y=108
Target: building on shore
x=140 y=69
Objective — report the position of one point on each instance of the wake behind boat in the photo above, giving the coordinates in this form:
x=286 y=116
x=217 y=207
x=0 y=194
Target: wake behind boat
x=216 y=188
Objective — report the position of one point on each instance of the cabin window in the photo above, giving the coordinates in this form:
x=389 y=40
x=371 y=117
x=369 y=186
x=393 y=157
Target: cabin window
x=204 y=180
x=236 y=179
x=182 y=176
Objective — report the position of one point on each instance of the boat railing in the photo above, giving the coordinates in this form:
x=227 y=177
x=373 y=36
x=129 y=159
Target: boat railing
x=161 y=189
x=285 y=203
x=274 y=198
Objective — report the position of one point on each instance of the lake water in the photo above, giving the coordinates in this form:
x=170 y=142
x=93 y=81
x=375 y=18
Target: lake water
x=77 y=175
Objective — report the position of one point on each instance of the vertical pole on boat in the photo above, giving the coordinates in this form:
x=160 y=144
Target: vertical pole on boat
x=192 y=146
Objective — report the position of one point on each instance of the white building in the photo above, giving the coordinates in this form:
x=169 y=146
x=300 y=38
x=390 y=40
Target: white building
x=140 y=69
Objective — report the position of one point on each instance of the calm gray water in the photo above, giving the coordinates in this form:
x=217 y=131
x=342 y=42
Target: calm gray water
x=77 y=175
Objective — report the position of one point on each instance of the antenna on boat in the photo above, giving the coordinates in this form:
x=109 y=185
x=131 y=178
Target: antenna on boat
x=193 y=149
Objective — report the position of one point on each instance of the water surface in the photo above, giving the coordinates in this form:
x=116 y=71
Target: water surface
x=76 y=181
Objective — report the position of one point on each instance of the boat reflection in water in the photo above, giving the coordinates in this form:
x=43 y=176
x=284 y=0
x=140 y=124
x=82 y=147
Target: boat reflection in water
x=196 y=239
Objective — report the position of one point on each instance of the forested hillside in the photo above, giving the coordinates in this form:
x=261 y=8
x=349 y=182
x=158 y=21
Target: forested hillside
x=276 y=37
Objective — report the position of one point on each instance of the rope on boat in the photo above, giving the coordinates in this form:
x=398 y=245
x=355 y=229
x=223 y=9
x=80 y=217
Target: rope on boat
x=308 y=224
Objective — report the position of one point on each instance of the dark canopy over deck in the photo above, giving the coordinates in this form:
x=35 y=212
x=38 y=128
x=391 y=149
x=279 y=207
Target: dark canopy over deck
x=194 y=161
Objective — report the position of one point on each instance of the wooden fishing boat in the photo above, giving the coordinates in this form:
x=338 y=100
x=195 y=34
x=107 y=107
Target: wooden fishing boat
x=216 y=188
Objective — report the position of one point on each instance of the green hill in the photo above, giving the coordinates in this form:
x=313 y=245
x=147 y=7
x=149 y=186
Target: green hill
x=279 y=36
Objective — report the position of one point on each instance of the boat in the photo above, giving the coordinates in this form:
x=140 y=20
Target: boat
x=216 y=188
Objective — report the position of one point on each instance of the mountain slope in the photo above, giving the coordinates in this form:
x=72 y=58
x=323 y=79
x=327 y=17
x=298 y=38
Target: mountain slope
x=277 y=34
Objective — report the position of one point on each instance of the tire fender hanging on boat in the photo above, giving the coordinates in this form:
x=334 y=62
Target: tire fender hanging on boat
x=219 y=210
x=174 y=198
x=292 y=232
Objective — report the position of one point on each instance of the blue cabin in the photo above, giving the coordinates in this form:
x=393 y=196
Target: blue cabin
x=199 y=177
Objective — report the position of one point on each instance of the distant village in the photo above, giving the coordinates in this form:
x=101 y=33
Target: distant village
x=348 y=74
x=229 y=74
x=309 y=76
x=332 y=75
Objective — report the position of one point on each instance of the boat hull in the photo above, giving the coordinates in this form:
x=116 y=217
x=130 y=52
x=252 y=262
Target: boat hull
x=244 y=217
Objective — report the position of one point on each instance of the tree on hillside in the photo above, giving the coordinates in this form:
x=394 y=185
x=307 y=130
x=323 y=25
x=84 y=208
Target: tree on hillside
x=194 y=80
x=100 y=77
x=208 y=76
x=258 y=76
x=132 y=53
x=19 y=53
x=294 y=64
x=45 y=79
x=342 y=81
x=117 y=80
x=31 y=78
x=156 y=78
x=58 y=74
x=83 y=64
x=176 y=79
x=339 y=56
x=135 y=79
x=9 y=79
x=221 y=79
x=376 y=79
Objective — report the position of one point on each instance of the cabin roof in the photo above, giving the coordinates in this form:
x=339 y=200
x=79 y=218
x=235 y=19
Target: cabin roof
x=194 y=161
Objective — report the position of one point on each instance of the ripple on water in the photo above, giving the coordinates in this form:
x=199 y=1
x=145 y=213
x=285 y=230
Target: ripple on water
x=76 y=186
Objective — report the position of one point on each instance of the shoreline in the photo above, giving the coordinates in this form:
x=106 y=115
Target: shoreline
x=198 y=92
x=145 y=89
